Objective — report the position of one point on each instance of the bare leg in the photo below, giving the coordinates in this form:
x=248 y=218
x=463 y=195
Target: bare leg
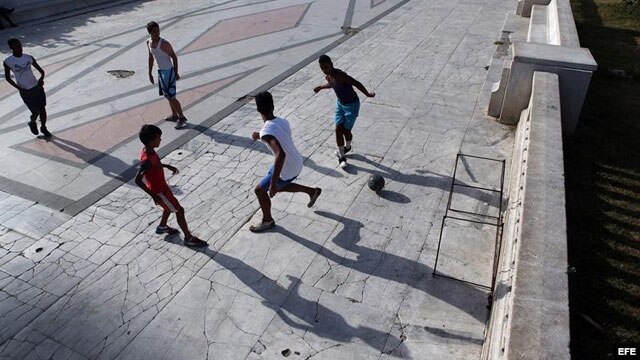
x=176 y=108
x=347 y=134
x=265 y=203
x=182 y=221
x=294 y=188
x=312 y=192
x=43 y=116
x=174 y=113
x=164 y=218
x=340 y=135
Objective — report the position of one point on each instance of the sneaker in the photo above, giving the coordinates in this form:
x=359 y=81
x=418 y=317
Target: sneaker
x=195 y=242
x=33 y=127
x=263 y=226
x=180 y=123
x=314 y=197
x=166 y=230
x=45 y=132
x=342 y=162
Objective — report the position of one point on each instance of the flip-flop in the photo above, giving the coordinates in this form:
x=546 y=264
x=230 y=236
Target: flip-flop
x=166 y=230
x=195 y=242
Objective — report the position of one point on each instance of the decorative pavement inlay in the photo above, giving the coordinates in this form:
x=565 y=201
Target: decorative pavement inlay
x=248 y=26
x=94 y=116
x=83 y=144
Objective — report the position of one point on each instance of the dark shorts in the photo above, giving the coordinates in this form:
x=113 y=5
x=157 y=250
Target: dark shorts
x=264 y=183
x=34 y=98
x=167 y=83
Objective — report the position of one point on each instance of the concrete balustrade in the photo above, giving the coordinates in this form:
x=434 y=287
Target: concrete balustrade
x=530 y=314
x=574 y=67
x=542 y=91
x=525 y=6
x=552 y=46
x=540 y=298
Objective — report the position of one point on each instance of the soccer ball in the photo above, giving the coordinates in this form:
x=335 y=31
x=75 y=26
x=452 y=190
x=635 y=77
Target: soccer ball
x=376 y=183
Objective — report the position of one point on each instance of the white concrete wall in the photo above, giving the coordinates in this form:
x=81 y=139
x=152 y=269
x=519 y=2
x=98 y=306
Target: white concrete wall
x=539 y=326
x=552 y=46
x=530 y=314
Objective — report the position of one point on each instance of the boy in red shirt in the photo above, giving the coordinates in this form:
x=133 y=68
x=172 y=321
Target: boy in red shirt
x=153 y=171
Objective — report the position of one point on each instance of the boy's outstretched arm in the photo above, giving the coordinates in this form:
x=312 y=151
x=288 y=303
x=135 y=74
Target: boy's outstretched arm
x=166 y=47
x=144 y=167
x=353 y=82
x=150 y=64
x=323 y=86
x=37 y=66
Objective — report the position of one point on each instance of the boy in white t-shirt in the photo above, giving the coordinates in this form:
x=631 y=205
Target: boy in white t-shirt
x=31 y=90
x=287 y=165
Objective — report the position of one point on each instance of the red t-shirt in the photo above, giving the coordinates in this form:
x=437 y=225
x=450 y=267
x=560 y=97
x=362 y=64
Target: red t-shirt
x=153 y=172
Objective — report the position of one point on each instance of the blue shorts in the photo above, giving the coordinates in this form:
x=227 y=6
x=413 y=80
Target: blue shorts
x=281 y=184
x=346 y=114
x=167 y=83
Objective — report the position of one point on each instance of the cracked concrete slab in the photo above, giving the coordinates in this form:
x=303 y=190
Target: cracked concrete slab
x=347 y=279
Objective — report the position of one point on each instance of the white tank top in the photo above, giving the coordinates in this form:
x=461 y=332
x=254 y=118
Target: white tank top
x=163 y=60
x=21 y=68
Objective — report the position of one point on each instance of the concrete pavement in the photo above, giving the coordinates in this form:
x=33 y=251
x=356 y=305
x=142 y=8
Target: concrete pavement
x=82 y=274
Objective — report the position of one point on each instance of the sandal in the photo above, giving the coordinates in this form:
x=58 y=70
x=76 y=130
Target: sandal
x=314 y=197
x=166 y=230
x=263 y=226
x=195 y=242
x=181 y=123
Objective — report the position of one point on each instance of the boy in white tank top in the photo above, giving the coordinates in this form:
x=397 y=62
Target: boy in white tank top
x=161 y=52
x=31 y=89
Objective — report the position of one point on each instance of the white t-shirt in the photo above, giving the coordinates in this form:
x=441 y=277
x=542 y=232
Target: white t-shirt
x=279 y=128
x=163 y=60
x=21 y=68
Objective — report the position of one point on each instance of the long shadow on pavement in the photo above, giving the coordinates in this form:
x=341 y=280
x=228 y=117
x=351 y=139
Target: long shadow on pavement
x=315 y=317
x=435 y=180
x=395 y=268
x=248 y=143
x=92 y=156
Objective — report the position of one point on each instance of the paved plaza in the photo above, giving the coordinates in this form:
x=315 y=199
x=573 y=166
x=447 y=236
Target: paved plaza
x=83 y=274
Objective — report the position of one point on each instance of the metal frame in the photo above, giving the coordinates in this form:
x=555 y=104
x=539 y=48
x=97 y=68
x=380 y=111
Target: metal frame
x=497 y=220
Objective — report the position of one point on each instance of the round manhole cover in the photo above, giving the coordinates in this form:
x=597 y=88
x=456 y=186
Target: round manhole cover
x=121 y=74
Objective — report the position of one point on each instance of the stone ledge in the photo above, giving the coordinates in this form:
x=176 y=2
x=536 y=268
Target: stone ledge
x=551 y=55
x=540 y=315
